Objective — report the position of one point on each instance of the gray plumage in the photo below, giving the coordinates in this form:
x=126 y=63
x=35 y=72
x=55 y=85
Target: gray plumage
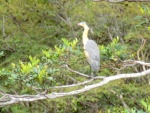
x=93 y=56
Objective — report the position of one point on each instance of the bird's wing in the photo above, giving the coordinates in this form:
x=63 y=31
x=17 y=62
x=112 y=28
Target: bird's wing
x=92 y=49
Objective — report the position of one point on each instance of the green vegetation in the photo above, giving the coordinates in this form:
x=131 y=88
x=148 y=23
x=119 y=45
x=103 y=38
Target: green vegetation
x=39 y=37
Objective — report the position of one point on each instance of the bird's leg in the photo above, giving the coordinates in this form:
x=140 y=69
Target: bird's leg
x=92 y=73
x=95 y=73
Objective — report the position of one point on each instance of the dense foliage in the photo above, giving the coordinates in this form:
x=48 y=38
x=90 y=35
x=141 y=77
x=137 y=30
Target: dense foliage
x=39 y=37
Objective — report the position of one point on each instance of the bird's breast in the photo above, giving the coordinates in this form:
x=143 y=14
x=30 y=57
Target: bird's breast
x=86 y=54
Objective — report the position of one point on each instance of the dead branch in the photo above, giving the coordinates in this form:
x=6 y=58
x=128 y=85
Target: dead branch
x=8 y=99
x=141 y=47
x=82 y=74
x=76 y=71
x=134 y=62
x=73 y=85
x=65 y=86
x=117 y=1
x=126 y=63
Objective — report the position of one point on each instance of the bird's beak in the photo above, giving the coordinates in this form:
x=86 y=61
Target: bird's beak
x=79 y=24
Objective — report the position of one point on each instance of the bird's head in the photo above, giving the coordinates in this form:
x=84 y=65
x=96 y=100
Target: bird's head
x=83 y=24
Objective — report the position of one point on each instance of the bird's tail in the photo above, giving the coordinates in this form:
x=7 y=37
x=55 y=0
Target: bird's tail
x=95 y=66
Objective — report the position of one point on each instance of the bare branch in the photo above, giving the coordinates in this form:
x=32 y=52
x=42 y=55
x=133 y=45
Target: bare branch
x=127 y=63
x=73 y=85
x=11 y=99
x=66 y=86
x=141 y=47
x=82 y=74
x=116 y=1
x=137 y=62
x=2 y=92
x=76 y=71
x=63 y=19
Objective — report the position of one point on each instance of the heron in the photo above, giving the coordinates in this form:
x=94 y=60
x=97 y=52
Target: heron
x=91 y=49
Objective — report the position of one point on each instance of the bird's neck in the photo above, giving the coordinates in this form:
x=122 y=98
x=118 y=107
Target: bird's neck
x=85 y=35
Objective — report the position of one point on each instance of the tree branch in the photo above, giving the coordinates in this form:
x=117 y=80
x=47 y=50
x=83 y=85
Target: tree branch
x=141 y=47
x=116 y=1
x=65 y=86
x=137 y=62
x=3 y=27
x=82 y=74
x=76 y=71
x=8 y=99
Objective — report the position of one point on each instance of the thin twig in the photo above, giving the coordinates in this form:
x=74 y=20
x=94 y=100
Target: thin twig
x=141 y=47
x=120 y=96
x=137 y=62
x=85 y=75
x=3 y=28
